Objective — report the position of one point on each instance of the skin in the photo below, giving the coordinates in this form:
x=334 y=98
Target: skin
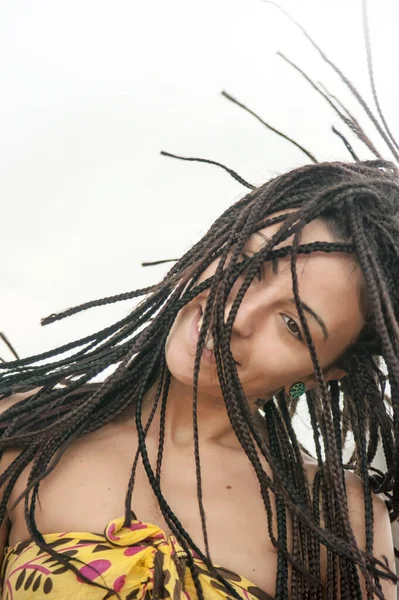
x=265 y=332
x=93 y=473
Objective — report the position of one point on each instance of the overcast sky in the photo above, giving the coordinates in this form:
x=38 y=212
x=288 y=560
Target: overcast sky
x=92 y=90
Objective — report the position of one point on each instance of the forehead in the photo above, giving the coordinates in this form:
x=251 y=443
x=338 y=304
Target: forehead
x=329 y=283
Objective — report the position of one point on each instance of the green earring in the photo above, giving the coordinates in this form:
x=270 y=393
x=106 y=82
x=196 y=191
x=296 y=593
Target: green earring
x=297 y=390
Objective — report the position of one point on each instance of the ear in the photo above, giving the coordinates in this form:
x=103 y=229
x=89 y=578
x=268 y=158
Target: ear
x=330 y=374
x=334 y=373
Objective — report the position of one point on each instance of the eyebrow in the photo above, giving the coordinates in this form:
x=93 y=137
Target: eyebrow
x=258 y=233
x=304 y=306
x=315 y=316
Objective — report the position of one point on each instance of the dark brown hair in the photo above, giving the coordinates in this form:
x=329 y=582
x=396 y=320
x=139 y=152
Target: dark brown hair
x=360 y=201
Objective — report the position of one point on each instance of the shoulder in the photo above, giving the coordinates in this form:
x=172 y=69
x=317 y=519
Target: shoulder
x=6 y=458
x=383 y=548
x=355 y=495
x=5 y=404
x=9 y=401
x=15 y=398
x=382 y=525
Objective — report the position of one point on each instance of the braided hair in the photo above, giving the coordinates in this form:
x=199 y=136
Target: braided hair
x=360 y=202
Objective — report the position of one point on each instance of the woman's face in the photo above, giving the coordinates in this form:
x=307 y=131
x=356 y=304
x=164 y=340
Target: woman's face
x=267 y=341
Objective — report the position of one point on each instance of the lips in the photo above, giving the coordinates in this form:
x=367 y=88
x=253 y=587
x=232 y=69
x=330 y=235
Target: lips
x=207 y=355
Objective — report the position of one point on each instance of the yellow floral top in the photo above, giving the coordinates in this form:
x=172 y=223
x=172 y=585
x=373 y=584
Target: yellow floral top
x=138 y=562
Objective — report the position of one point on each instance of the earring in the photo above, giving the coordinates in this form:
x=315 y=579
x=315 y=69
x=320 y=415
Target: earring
x=297 y=390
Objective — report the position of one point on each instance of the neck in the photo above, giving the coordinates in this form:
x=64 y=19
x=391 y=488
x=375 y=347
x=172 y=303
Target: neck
x=214 y=426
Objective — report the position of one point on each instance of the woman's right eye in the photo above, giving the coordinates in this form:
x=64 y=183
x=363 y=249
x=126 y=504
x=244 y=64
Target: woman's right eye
x=292 y=327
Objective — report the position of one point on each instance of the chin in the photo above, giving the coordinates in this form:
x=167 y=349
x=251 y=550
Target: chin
x=180 y=359
x=180 y=365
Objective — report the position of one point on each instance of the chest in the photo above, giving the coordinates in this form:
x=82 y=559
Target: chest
x=87 y=490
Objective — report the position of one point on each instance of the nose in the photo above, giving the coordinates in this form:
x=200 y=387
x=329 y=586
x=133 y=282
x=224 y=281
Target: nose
x=250 y=314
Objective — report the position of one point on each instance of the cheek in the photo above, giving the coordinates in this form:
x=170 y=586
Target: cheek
x=178 y=329
x=275 y=360
x=180 y=355
x=179 y=349
x=177 y=359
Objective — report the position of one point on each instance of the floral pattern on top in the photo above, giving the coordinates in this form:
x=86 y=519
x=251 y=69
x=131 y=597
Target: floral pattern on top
x=137 y=562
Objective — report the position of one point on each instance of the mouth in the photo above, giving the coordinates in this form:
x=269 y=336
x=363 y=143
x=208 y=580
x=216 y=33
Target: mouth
x=207 y=353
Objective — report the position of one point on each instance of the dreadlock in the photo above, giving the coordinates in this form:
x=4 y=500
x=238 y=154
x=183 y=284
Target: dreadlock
x=360 y=203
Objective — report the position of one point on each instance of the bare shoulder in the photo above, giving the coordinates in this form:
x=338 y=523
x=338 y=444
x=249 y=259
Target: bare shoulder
x=6 y=458
x=8 y=455
x=382 y=527
x=382 y=532
x=10 y=401
x=383 y=548
x=5 y=404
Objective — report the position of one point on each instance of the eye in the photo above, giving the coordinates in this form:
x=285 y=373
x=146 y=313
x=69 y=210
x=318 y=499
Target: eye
x=259 y=272
x=293 y=327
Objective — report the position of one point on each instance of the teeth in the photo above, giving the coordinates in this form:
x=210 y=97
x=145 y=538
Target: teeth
x=209 y=340
x=199 y=325
x=209 y=343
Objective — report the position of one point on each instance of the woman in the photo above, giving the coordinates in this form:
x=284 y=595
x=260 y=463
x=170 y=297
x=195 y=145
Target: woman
x=302 y=276
x=166 y=480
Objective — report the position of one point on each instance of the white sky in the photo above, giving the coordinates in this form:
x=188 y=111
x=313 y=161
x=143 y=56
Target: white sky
x=92 y=90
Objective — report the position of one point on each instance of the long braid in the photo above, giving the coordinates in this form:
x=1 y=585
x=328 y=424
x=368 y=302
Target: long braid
x=353 y=125
x=350 y=584
x=371 y=71
x=358 y=429
x=230 y=313
x=162 y=425
x=338 y=484
x=282 y=564
x=344 y=79
x=46 y=423
x=254 y=433
x=171 y=519
x=389 y=351
x=248 y=446
x=163 y=387
x=197 y=365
